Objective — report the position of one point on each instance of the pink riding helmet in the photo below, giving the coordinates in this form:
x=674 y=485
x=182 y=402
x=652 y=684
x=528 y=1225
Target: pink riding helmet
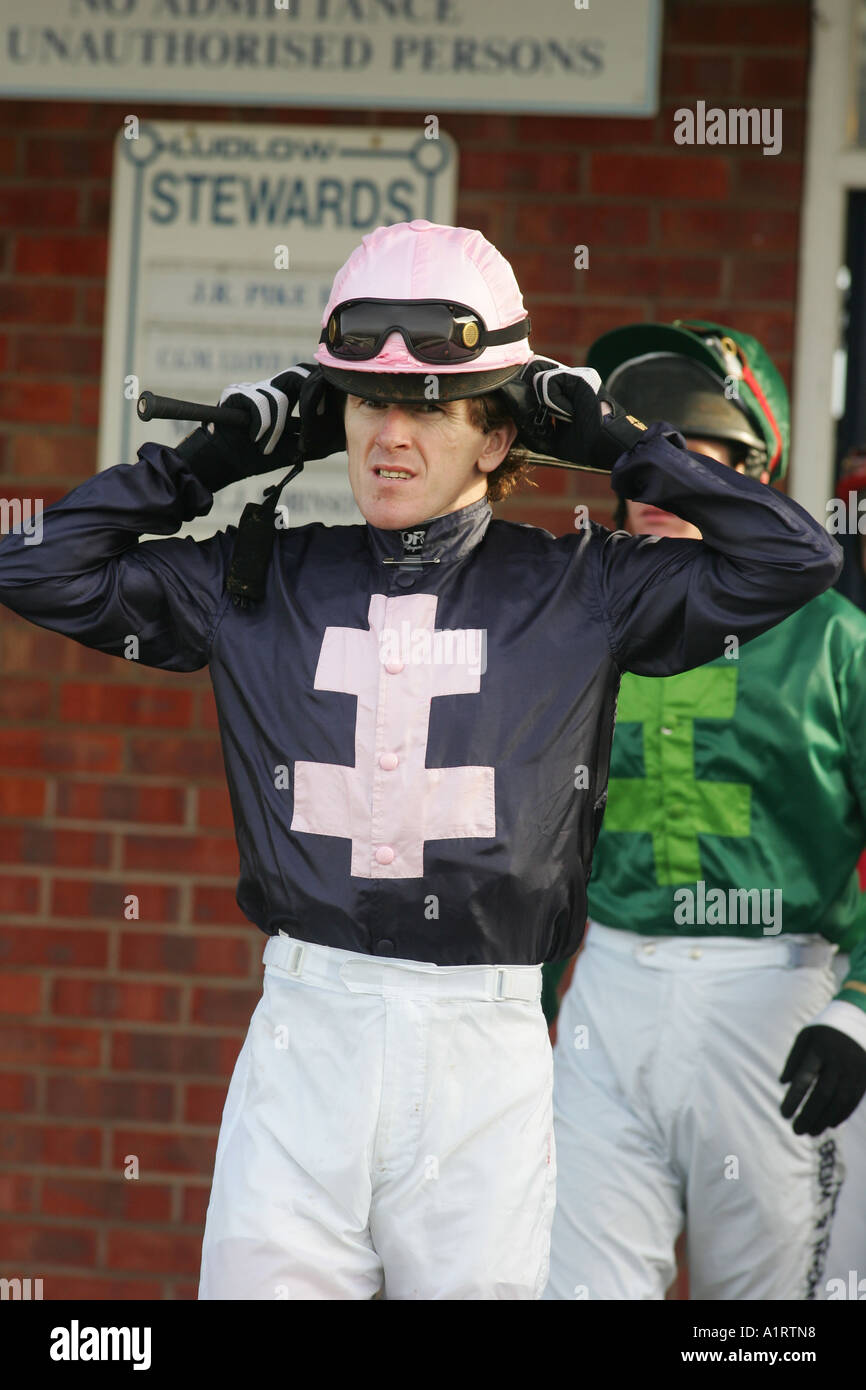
x=426 y=260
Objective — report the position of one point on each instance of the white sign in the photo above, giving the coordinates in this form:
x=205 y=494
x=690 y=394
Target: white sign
x=437 y=55
x=225 y=240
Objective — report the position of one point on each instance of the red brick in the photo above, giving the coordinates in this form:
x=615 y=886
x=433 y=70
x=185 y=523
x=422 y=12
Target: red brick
x=99 y=1098
x=54 y=946
x=26 y=206
x=36 y=303
x=767 y=78
x=765 y=279
x=177 y=757
x=66 y=457
x=118 y=1198
x=477 y=125
x=548 y=481
x=25 y=1240
x=35 y=844
x=701 y=75
x=22 y=796
x=195 y=1203
x=165 y=1153
x=770 y=177
x=17 y=1091
x=777 y=26
x=56 y=751
x=78 y=1288
x=162 y=952
x=73 y=354
x=80 y=155
x=70 y=255
x=206 y=712
x=16 y=1193
x=18 y=894
x=155 y=1251
x=517 y=172
x=52 y=1144
x=574 y=324
x=773 y=328
x=183 y=1290
x=102 y=898
x=88 y=406
x=491 y=216
x=583 y=132
x=564 y=225
x=51 y=1047
x=214 y=810
x=217 y=906
x=690 y=275
x=25 y=699
x=181 y=1054
x=539 y=272
x=97 y=206
x=204 y=1104
x=730 y=228
x=8 y=155
x=111 y=704
x=93 y=305
x=126 y=1000
x=20 y=994
x=660 y=176
x=40 y=114
x=212 y=855
x=115 y=801
x=4 y=337
x=224 y=1008
x=29 y=401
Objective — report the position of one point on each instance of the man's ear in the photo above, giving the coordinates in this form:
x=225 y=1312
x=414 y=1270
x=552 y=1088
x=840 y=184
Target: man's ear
x=497 y=442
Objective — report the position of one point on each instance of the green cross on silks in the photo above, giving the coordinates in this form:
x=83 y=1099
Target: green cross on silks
x=667 y=707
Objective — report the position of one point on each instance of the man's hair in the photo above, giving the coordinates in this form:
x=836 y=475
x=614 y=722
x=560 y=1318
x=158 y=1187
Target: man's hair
x=487 y=413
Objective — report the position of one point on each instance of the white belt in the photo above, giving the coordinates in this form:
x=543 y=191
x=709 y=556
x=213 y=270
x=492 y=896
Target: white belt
x=329 y=967
x=714 y=952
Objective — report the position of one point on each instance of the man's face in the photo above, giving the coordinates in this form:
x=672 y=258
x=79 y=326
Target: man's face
x=643 y=520
x=410 y=463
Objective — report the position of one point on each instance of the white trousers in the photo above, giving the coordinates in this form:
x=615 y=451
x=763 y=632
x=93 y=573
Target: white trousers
x=388 y=1126
x=847 y=1254
x=666 y=1102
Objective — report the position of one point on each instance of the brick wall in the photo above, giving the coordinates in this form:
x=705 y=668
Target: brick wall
x=118 y=1035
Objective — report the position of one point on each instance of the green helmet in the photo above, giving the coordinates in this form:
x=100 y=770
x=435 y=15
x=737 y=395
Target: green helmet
x=711 y=381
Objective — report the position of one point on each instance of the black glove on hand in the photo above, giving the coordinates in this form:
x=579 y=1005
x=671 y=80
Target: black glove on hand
x=558 y=411
x=837 y=1066
x=318 y=426
x=276 y=437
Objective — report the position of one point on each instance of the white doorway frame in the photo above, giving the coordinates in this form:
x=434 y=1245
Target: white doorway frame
x=832 y=169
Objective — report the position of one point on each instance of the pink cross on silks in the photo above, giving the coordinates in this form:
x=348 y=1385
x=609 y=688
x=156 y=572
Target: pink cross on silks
x=389 y=803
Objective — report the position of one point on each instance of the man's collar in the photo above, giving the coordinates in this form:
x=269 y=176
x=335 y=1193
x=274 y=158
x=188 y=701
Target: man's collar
x=447 y=537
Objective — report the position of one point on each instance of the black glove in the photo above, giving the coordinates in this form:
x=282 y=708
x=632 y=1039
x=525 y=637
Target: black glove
x=836 y=1064
x=557 y=410
x=318 y=426
x=276 y=437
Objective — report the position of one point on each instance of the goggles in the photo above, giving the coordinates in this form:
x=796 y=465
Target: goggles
x=434 y=330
